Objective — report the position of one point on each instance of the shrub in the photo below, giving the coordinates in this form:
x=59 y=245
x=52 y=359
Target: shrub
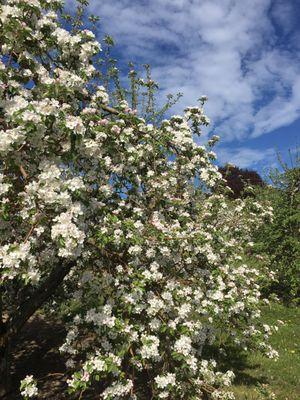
x=280 y=241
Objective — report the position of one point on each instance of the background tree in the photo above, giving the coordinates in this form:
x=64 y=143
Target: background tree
x=238 y=179
x=280 y=240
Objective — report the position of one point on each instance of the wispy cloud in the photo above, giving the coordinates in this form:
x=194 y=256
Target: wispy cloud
x=226 y=49
x=243 y=54
x=246 y=157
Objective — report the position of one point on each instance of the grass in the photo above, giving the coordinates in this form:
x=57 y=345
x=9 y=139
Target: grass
x=281 y=377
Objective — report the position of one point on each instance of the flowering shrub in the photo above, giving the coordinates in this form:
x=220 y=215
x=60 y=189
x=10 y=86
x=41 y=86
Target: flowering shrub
x=130 y=216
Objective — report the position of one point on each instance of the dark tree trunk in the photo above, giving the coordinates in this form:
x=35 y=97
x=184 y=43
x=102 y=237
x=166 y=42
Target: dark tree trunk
x=11 y=328
x=4 y=363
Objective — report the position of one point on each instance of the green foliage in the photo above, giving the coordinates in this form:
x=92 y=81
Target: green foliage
x=280 y=239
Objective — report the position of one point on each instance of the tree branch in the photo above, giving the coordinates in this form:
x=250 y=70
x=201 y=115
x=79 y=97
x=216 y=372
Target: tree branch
x=110 y=109
x=37 y=299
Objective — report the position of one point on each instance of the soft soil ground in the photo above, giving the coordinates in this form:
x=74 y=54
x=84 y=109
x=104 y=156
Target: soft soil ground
x=36 y=353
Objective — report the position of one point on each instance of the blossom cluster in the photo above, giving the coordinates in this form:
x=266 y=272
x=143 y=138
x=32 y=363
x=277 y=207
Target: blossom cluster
x=28 y=387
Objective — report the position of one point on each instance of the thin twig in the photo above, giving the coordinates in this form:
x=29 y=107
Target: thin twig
x=23 y=172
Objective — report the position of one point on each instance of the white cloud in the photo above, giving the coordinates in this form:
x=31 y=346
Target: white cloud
x=246 y=157
x=281 y=111
x=227 y=49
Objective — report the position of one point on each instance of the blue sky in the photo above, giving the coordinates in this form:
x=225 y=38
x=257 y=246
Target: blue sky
x=243 y=54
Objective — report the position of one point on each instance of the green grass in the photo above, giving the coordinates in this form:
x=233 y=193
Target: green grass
x=282 y=377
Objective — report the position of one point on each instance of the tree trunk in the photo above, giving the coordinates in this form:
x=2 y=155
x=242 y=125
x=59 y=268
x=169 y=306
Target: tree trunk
x=11 y=328
x=4 y=364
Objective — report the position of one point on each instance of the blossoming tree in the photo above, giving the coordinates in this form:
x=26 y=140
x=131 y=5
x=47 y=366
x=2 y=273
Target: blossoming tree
x=132 y=216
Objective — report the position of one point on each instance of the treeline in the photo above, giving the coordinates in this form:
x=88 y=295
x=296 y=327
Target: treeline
x=277 y=243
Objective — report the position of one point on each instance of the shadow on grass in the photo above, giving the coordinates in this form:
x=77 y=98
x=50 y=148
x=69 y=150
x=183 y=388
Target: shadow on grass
x=238 y=362
x=36 y=353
